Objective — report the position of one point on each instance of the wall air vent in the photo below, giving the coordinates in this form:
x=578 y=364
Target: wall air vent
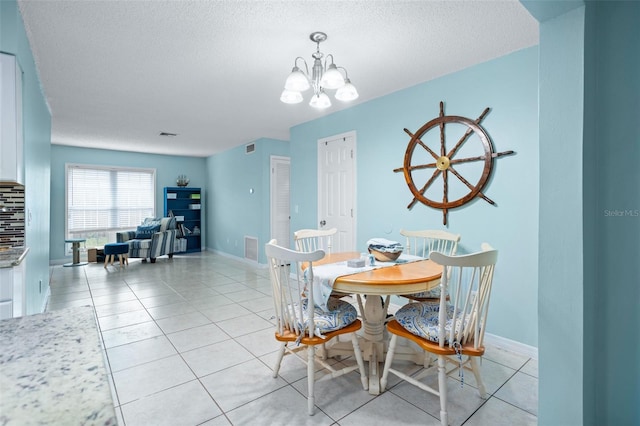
x=251 y=248
x=250 y=148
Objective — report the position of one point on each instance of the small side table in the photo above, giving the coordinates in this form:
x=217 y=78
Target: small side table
x=75 y=247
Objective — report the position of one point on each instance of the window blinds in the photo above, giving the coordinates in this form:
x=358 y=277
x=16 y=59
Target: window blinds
x=106 y=200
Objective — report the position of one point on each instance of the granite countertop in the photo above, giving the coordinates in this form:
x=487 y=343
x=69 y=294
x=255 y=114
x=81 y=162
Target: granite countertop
x=12 y=256
x=52 y=370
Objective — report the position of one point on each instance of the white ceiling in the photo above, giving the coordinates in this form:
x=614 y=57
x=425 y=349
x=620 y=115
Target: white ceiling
x=117 y=73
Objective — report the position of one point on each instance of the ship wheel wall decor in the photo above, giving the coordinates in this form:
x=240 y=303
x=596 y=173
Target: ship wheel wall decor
x=428 y=158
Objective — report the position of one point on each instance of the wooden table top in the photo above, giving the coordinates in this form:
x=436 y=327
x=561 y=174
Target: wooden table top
x=404 y=278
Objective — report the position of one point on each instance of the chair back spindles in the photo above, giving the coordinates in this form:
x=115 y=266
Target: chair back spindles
x=314 y=239
x=291 y=285
x=457 y=330
x=421 y=243
x=467 y=279
x=291 y=275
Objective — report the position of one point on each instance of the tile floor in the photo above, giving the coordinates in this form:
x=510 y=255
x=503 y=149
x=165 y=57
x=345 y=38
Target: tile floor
x=189 y=341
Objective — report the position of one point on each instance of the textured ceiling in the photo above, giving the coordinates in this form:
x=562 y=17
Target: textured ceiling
x=117 y=73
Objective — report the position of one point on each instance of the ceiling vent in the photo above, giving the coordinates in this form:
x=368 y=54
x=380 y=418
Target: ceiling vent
x=250 y=149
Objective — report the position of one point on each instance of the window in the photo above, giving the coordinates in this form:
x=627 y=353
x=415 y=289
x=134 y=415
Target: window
x=101 y=201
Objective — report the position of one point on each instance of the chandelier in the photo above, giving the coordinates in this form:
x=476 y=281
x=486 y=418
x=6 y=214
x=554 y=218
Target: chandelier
x=324 y=76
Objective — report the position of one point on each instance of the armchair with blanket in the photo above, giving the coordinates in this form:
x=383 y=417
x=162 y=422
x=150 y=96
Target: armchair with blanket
x=155 y=237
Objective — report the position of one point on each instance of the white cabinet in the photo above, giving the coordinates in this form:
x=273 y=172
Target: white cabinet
x=12 y=291
x=11 y=146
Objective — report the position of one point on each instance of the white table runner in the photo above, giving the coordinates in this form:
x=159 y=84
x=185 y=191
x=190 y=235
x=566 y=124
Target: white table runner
x=325 y=275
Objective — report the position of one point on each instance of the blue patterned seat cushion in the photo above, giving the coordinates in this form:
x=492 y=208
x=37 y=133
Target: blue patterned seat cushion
x=421 y=319
x=434 y=293
x=339 y=315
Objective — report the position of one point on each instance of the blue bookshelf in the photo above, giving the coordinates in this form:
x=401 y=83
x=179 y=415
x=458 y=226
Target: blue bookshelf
x=185 y=204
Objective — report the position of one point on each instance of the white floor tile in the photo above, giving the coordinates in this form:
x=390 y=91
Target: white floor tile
x=186 y=404
x=498 y=413
x=108 y=299
x=501 y=356
x=124 y=319
x=244 y=295
x=165 y=299
x=69 y=296
x=388 y=409
x=117 y=308
x=209 y=359
x=197 y=337
x=339 y=396
x=129 y=334
x=167 y=311
x=218 y=421
x=51 y=306
x=260 y=342
x=150 y=378
x=522 y=391
x=240 y=384
x=245 y=324
x=201 y=352
x=530 y=368
x=182 y=322
x=258 y=304
x=141 y=352
x=285 y=406
x=221 y=313
x=462 y=401
x=493 y=375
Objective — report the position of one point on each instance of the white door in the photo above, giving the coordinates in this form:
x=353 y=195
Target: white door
x=280 y=215
x=336 y=188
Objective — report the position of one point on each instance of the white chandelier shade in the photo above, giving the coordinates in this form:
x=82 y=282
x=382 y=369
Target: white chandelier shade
x=324 y=76
x=320 y=100
x=291 y=97
x=297 y=80
x=347 y=92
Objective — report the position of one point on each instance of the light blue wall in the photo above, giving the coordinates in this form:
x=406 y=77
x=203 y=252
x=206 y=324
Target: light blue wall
x=561 y=244
x=167 y=170
x=507 y=85
x=612 y=178
x=233 y=212
x=37 y=153
x=589 y=213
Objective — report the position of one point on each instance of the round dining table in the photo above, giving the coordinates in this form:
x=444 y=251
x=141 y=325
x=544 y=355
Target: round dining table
x=377 y=285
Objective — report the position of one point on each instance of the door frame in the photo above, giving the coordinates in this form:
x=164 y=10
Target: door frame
x=354 y=186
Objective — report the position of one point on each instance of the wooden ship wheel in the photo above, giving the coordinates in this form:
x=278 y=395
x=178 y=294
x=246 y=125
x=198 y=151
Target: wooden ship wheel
x=437 y=163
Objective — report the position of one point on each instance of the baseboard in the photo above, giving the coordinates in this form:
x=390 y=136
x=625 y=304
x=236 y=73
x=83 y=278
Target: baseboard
x=239 y=259
x=511 y=345
x=45 y=302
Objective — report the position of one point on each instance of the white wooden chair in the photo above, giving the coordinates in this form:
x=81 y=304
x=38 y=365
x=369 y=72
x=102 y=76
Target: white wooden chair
x=454 y=329
x=421 y=243
x=314 y=239
x=301 y=326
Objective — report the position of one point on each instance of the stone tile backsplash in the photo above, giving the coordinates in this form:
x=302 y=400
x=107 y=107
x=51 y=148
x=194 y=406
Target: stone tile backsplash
x=11 y=215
